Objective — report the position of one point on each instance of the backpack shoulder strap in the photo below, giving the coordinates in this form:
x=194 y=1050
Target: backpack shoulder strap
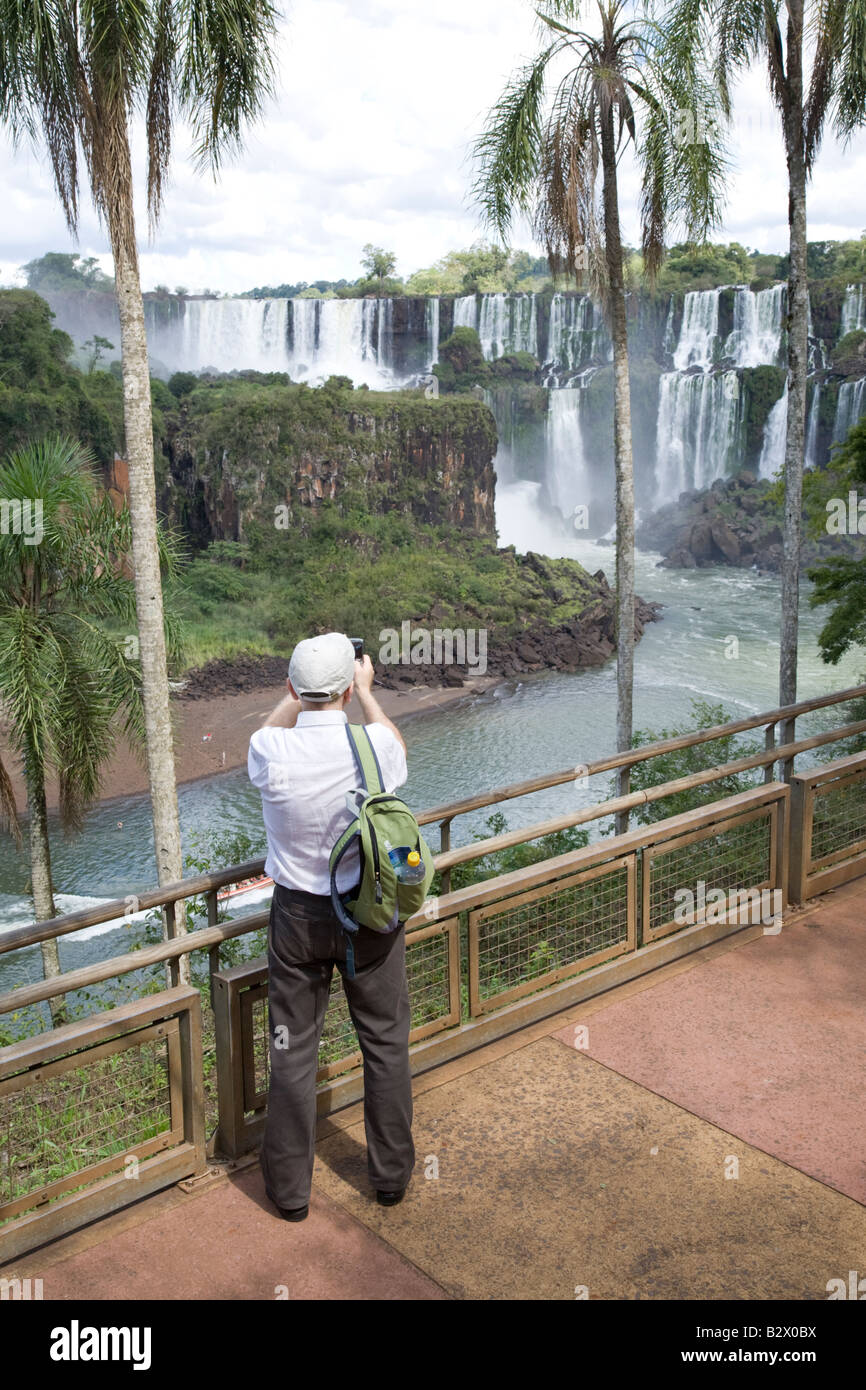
x=366 y=762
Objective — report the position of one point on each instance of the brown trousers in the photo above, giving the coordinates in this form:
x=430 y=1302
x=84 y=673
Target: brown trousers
x=305 y=942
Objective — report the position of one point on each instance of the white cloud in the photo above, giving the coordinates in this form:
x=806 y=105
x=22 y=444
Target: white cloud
x=368 y=140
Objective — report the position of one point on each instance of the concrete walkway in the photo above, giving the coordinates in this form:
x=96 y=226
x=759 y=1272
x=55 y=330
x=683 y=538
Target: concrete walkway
x=697 y=1133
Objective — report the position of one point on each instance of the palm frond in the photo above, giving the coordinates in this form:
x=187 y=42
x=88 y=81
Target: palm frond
x=226 y=69
x=507 y=153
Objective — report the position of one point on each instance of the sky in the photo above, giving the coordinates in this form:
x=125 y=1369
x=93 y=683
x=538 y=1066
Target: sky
x=369 y=140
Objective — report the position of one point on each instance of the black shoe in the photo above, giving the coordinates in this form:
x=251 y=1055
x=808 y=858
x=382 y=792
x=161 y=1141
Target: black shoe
x=390 y=1199
x=289 y=1213
x=294 y=1214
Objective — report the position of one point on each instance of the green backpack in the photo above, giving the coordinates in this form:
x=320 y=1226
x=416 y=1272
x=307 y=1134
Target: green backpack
x=381 y=821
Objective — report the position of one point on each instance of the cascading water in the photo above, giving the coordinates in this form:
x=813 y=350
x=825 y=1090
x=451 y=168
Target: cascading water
x=811 y=458
x=853 y=310
x=229 y=334
x=849 y=408
x=466 y=311
x=699 y=332
x=698 y=431
x=773 y=448
x=756 y=337
x=699 y=427
x=431 y=325
x=569 y=479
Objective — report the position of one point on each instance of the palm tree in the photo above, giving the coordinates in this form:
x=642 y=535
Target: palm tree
x=63 y=679
x=541 y=155
x=832 y=35
x=79 y=71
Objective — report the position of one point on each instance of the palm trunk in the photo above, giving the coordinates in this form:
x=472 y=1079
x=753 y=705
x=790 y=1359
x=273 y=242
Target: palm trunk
x=138 y=424
x=40 y=875
x=623 y=462
x=798 y=327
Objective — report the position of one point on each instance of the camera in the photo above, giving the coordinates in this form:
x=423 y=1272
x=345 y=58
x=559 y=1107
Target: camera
x=358 y=644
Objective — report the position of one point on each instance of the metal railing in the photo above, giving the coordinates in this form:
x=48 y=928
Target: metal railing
x=482 y=959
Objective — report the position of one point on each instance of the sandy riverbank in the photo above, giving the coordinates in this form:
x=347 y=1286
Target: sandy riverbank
x=212 y=734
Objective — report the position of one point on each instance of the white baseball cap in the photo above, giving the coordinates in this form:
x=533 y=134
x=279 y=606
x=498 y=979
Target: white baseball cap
x=322 y=667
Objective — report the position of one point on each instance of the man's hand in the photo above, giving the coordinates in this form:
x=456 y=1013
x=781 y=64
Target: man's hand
x=370 y=707
x=363 y=674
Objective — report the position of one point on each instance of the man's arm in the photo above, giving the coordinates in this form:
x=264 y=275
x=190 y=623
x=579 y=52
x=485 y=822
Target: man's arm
x=285 y=715
x=370 y=707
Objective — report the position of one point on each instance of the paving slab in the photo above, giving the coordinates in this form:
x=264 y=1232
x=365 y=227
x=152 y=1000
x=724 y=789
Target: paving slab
x=559 y=1178
x=767 y=1041
x=228 y=1243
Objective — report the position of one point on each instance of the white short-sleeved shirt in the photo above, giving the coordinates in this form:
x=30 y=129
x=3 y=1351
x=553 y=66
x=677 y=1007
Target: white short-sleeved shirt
x=303 y=775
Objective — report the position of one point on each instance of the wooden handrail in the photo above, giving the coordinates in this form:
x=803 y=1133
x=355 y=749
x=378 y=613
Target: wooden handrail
x=447 y=906
x=36 y=932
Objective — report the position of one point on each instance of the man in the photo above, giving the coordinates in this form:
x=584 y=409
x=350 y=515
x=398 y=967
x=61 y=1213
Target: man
x=302 y=761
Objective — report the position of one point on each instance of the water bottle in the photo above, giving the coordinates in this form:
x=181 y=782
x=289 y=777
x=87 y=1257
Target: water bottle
x=408 y=864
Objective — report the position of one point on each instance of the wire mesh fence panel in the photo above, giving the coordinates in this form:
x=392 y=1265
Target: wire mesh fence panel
x=529 y=941
x=74 y=1123
x=679 y=880
x=838 y=819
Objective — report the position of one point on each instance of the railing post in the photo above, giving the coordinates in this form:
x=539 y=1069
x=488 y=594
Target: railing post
x=788 y=735
x=445 y=844
x=213 y=955
x=623 y=784
x=769 y=743
x=178 y=968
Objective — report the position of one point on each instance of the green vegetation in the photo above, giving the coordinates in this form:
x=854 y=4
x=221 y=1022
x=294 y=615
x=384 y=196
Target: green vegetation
x=840 y=581
x=685 y=761
x=58 y=271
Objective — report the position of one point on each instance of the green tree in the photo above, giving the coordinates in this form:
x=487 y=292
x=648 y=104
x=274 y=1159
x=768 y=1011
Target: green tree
x=542 y=157
x=58 y=270
x=736 y=32
x=98 y=347
x=63 y=680
x=379 y=264
x=79 y=71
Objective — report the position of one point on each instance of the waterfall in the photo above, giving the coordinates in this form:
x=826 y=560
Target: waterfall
x=775 y=429
x=756 y=337
x=853 y=310
x=668 y=342
x=227 y=334
x=699 y=332
x=577 y=335
x=849 y=408
x=812 y=428
x=466 y=311
x=698 y=432
x=569 y=480
x=493 y=325
x=431 y=326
